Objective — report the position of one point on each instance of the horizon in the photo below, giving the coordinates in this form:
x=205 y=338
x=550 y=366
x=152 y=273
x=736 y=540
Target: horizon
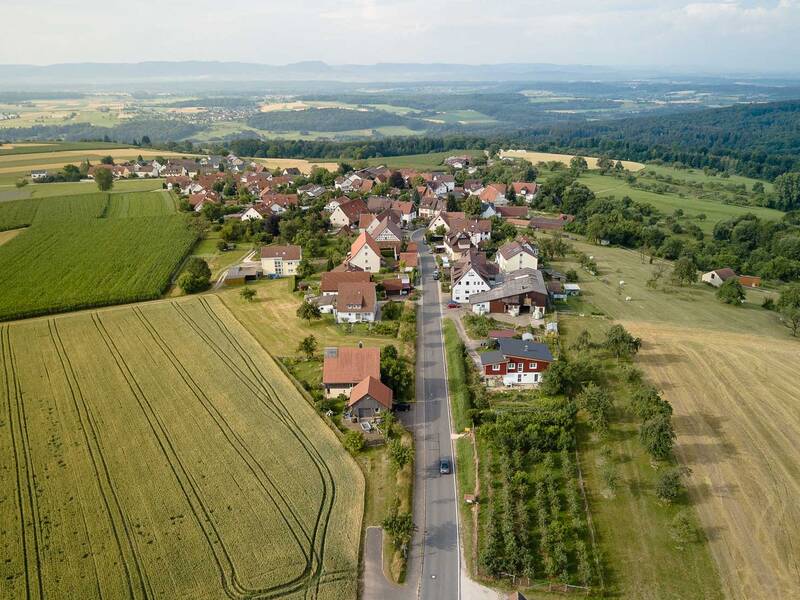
x=729 y=36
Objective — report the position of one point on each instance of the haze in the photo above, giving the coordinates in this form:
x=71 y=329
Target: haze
x=716 y=36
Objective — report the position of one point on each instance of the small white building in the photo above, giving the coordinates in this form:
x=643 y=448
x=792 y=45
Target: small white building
x=718 y=276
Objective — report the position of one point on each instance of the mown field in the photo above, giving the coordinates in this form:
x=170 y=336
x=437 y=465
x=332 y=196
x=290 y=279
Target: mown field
x=89 y=250
x=537 y=157
x=48 y=190
x=159 y=452
x=730 y=374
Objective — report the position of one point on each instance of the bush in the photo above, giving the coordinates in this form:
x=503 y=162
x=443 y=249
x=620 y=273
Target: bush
x=391 y=311
x=668 y=486
x=731 y=292
x=354 y=441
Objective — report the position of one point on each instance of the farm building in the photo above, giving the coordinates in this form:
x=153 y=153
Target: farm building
x=750 y=281
x=281 y=260
x=343 y=368
x=369 y=398
x=550 y=223
x=572 y=289
x=521 y=292
x=241 y=273
x=556 y=290
x=516 y=362
x=718 y=276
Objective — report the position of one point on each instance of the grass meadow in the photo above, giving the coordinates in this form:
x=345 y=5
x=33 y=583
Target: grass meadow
x=159 y=451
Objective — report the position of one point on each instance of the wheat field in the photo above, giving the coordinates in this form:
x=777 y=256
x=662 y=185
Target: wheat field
x=157 y=451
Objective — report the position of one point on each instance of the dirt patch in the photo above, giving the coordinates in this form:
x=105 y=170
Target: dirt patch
x=737 y=419
x=304 y=165
x=536 y=157
x=273 y=106
x=7 y=236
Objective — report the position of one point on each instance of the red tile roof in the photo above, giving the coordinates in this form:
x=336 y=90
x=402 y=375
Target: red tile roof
x=357 y=298
x=350 y=365
x=289 y=252
x=371 y=386
x=331 y=280
x=364 y=239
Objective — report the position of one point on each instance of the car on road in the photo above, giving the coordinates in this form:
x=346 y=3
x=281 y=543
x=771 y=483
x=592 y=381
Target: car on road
x=453 y=305
x=444 y=466
x=402 y=407
x=436 y=274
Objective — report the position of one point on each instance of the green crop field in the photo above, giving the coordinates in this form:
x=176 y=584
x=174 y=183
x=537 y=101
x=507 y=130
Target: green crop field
x=159 y=452
x=80 y=252
x=47 y=190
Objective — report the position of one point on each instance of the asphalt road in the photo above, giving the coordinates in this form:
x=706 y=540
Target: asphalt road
x=436 y=555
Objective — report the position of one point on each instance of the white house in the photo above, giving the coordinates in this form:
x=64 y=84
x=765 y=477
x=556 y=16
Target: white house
x=365 y=254
x=718 y=276
x=519 y=254
x=356 y=303
x=281 y=260
x=471 y=275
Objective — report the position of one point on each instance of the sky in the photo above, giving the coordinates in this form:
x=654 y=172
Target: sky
x=747 y=35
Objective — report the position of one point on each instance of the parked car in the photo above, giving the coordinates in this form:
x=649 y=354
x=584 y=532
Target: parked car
x=402 y=407
x=444 y=466
x=436 y=274
x=453 y=305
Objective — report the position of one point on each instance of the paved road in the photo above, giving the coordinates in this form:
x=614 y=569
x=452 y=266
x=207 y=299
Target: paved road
x=436 y=555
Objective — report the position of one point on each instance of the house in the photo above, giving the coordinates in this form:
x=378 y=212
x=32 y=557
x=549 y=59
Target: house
x=147 y=169
x=330 y=281
x=292 y=172
x=718 y=276
x=519 y=254
x=347 y=214
x=38 y=175
x=473 y=187
x=445 y=219
x=199 y=200
x=550 y=223
x=343 y=368
x=356 y=303
x=410 y=260
x=479 y=230
x=348 y=183
x=572 y=289
x=369 y=398
x=333 y=204
x=365 y=254
x=494 y=193
x=256 y=213
x=457 y=244
x=178 y=183
x=521 y=292
x=281 y=260
x=525 y=191
x=312 y=190
x=457 y=162
x=472 y=274
x=516 y=362
x=430 y=206
x=279 y=203
x=387 y=235
x=750 y=281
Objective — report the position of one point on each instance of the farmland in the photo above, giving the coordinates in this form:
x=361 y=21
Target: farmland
x=537 y=157
x=159 y=451
x=79 y=252
x=729 y=374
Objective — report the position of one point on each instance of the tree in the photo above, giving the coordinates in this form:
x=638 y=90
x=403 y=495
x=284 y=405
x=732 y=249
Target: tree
x=399 y=454
x=668 y=486
x=605 y=164
x=789 y=307
x=394 y=371
x=596 y=402
x=196 y=276
x=657 y=436
x=354 y=442
x=787 y=191
x=146 y=140
x=681 y=529
x=731 y=292
x=396 y=180
x=308 y=312
x=305 y=268
x=248 y=294
x=578 y=164
x=684 y=272
x=307 y=346
x=400 y=527
x=452 y=203
x=576 y=197
x=104 y=179
x=107 y=160
x=621 y=343
x=472 y=206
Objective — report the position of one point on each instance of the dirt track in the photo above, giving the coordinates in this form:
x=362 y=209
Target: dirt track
x=737 y=415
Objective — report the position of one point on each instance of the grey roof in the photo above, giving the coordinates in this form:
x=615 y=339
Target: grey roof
x=517 y=282
x=524 y=349
x=492 y=358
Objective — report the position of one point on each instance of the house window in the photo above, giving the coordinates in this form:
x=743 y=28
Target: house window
x=519 y=378
x=532 y=365
x=512 y=366
x=495 y=367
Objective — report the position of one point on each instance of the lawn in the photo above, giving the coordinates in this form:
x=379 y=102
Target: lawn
x=86 y=250
x=456 y=376
x=429 y=161
x=159 y=451
x=47 y=190
x=729 y=373
x=690 y=203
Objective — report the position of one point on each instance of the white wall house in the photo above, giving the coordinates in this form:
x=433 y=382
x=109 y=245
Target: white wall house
x=471 y=282
x=282 y=261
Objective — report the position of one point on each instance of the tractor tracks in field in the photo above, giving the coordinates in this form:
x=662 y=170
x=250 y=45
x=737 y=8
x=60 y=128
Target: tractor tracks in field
x=117 y=517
